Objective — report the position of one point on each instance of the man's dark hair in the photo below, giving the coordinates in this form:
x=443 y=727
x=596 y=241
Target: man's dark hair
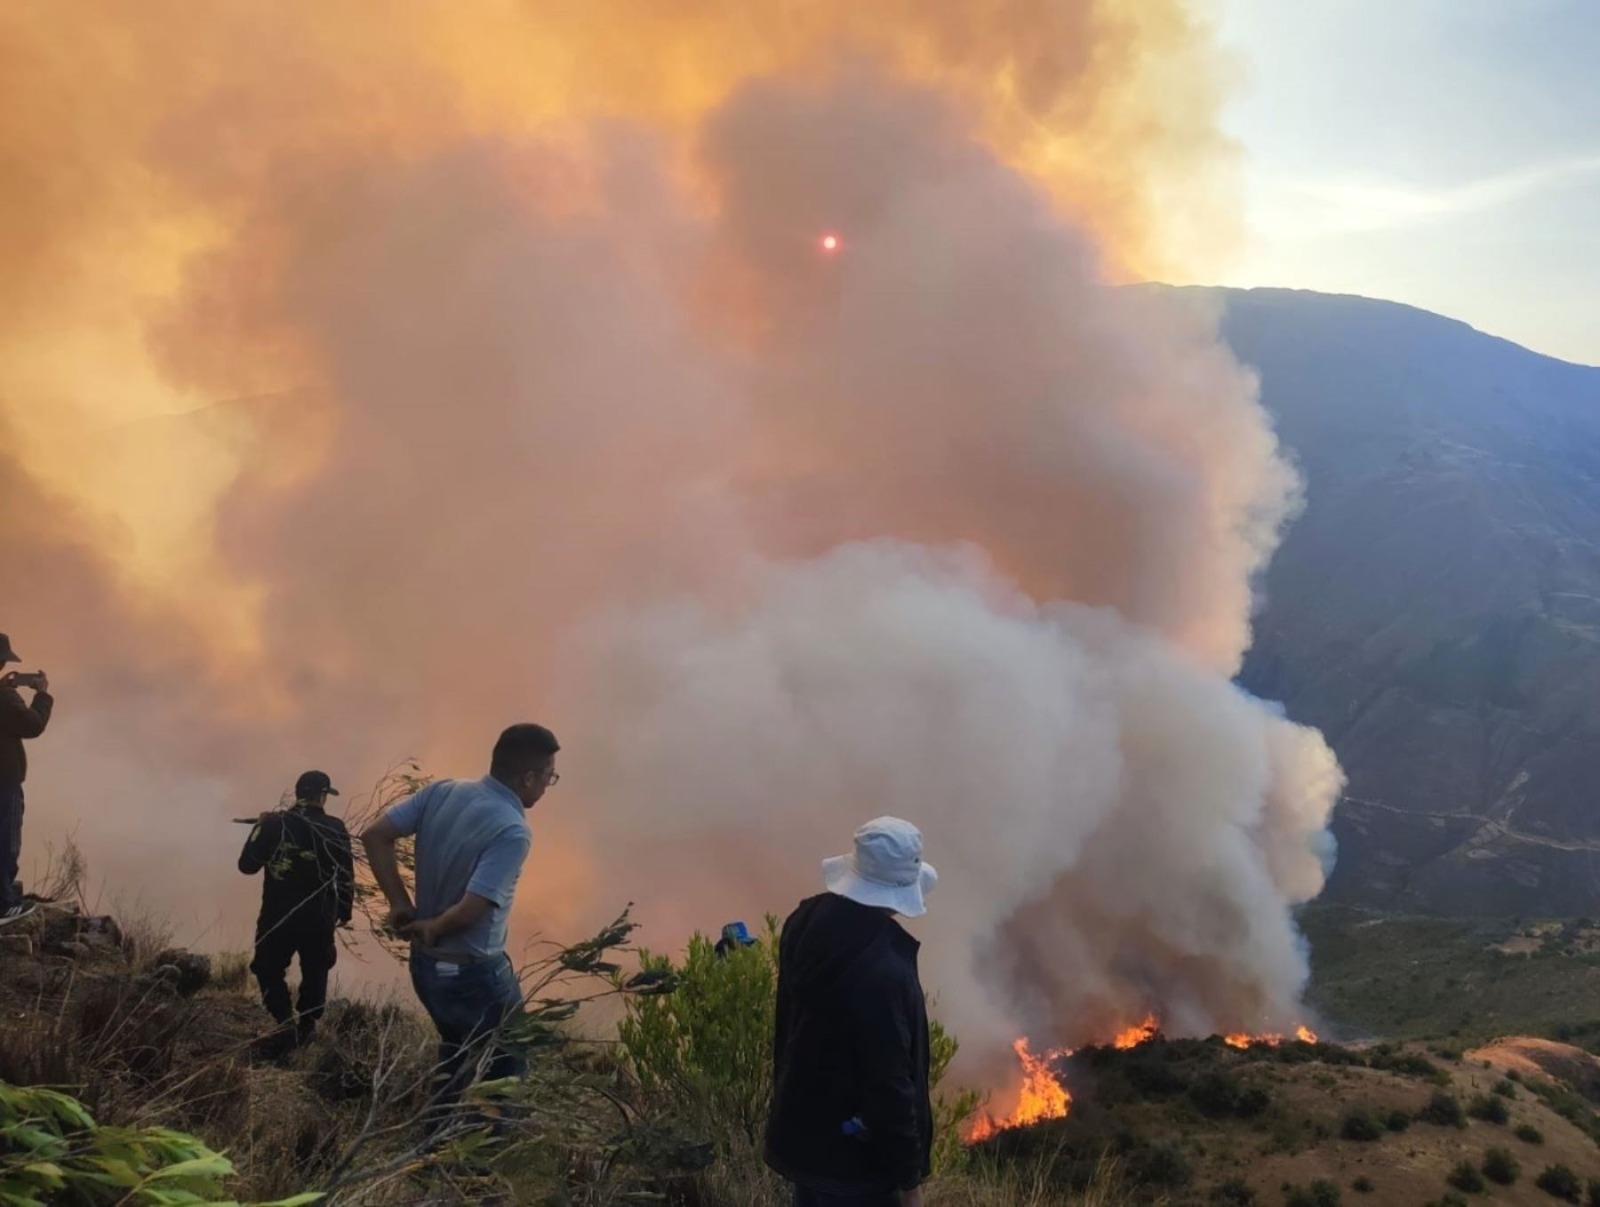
x=521 y=749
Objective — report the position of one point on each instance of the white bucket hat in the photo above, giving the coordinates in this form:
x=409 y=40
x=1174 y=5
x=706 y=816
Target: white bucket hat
x=885 y=870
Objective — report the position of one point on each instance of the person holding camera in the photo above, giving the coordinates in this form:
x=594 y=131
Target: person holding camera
x=19 y=722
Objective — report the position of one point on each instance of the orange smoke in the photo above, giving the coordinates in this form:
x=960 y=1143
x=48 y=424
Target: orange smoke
x=136 y=152
x=489 y=323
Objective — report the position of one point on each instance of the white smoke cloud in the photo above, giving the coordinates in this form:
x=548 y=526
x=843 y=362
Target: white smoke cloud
x=1000 y=594
x=942 y=525
x=1117 y=830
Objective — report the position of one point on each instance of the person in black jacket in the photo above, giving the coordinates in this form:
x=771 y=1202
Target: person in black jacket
x=19 y=721
x=309 y=892
x=851 y=1123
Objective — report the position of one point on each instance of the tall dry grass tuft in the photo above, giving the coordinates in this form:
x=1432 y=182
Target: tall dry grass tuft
x=65 y=877
x=1033 y=1183
x=230 y=971
x=741 y=1180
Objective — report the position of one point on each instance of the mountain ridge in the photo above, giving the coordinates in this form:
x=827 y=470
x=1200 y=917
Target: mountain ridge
x=1435 y=607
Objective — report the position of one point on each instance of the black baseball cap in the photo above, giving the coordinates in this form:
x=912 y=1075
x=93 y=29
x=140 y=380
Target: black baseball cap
x=7 y=654
x=313 y=784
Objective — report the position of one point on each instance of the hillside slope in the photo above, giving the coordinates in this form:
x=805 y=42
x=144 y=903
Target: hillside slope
x=1436 y=609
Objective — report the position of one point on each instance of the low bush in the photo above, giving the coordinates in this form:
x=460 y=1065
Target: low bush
x=1235 y=1192
x=1219 y=1096
x=1320 y=1193
x=1500 y=1167
x=1559 y=1182
x=1161 y=1164
x=1406 y=1064
x=1360 y=1124
x=1466 y=1178
x=1443 y=1110
x=54 y=1152
x=1490 y=1108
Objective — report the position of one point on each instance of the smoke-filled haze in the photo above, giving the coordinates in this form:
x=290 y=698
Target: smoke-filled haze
x=373 y=378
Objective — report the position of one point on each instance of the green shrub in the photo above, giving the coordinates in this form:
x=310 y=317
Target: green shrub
x=1560 y=1182
x=1219 y=1096
x=1529 y=1134
x=1505 y=1088
x=1398 y=1121
x=1466 y=1178
x=1443 y=1110
x=53 y=1151
x=1491 y=1108
x=1161 y=1164
x=1152 y=1073
x=1500 y=1167
x=1215 y=1095
x=1320 y=1193
x=706 y=1049
x=1235 y=1192
x=1363 y=1185
x=1359 y=1124
x=1570 y=1105
x=1406 y=1064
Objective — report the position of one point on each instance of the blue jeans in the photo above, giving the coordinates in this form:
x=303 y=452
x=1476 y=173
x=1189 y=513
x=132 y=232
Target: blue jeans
x=467 y=1003
x=10 y=843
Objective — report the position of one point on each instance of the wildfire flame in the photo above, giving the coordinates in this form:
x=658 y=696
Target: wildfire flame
x=1132 y=1037
x=1044 y=1096
x=1302 y=1033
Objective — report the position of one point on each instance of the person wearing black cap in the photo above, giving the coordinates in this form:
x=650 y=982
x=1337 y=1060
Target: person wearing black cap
x=19 y=721
x=309 y=893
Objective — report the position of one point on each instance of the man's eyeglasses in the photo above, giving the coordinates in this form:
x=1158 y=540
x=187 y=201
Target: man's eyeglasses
x=552 y=779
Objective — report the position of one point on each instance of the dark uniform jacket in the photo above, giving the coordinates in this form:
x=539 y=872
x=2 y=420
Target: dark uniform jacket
x=850 y=1106
x=19 y=721
x=310 y=872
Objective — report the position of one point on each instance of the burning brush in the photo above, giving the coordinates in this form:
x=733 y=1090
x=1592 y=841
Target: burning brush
x=1043 y=1094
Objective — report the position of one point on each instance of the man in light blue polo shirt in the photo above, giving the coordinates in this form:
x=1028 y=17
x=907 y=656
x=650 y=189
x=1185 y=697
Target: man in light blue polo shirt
x=471 y=840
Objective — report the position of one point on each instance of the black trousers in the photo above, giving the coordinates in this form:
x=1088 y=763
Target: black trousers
x=280 y=940
x=10 y=843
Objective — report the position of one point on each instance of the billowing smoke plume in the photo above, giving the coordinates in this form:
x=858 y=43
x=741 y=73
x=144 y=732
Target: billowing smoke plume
x=560 y=411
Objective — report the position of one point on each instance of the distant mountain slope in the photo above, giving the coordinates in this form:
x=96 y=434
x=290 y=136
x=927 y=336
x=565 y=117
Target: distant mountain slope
x=1436 y=610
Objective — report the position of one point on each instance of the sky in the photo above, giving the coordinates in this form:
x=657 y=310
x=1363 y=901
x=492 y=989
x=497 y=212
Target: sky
x=1442 y=153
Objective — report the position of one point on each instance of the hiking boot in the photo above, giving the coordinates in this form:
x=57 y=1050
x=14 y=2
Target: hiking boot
x=274 y=1048
x=14 y=913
